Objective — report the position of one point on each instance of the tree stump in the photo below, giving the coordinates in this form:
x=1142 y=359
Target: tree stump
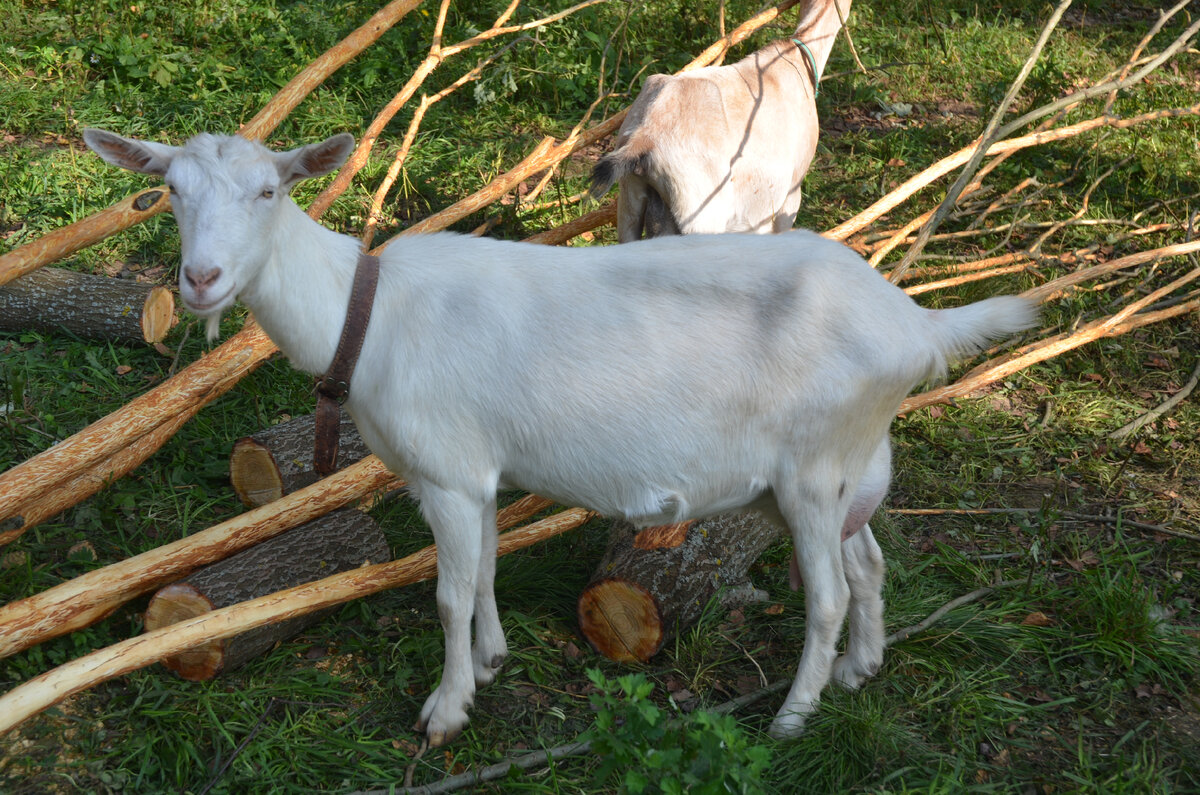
x=52 y=299
x=652 y=583
x=339 y=541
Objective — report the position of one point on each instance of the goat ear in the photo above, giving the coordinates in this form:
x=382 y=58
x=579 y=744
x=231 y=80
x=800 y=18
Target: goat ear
x=314 y=160
x=145 y=157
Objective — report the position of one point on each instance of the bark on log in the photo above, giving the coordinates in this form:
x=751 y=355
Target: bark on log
x=89 y=306
x=651 y=583
x=278 y=460
x=343 y=540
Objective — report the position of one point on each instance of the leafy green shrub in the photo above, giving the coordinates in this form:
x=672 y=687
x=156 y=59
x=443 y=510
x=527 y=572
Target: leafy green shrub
x=640 y=746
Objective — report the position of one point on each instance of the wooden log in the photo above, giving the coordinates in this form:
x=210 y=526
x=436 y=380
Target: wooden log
x=89 y=306
x=278 y=460
x=343 y=540
x=53 y=686
x=651 y=583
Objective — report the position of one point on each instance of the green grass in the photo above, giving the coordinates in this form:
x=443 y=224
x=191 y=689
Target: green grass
x=1080 y=679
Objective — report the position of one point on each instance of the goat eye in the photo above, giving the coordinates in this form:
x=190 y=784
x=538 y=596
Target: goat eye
x=268 y=193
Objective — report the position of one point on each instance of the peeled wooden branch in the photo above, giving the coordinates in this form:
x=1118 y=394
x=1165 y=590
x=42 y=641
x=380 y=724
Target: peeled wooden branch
x=89 y=306
x=336 y=542
x=585 y=223
x=152 y=201
x=85 y=483
x=90 y=597
x=199 y=384
x=947 y=164
x=81 y=234
x=53 y=686
x=1004 y=366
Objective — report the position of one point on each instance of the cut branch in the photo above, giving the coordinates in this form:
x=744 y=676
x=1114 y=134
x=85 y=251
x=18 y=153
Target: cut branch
x=90 y=597
x=53 y=686
x=152 y=201
x=203 y=381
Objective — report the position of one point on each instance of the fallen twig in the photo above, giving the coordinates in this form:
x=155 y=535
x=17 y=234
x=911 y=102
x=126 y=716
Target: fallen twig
x=990 y=134
x=936 y=615
x=1162 y=409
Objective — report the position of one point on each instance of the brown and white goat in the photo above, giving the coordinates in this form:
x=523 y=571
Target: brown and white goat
x=723 y=148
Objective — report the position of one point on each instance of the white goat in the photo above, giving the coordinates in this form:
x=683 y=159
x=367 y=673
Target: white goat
x=669 y=379
x=724 y=148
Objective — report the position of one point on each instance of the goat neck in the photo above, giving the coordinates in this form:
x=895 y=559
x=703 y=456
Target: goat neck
x=301 y=293
x=818 y=28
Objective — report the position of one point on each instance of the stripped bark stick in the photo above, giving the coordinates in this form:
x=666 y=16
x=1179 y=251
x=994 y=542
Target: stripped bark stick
x=53 y=686
x=89 y=597
x=202 y=382
x=1003 y=366
x=148 y=203
x=84 y=484
x=947 y=164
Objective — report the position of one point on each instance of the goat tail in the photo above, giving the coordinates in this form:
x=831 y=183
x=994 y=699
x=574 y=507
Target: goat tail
x=617 y=165
x=963 y=331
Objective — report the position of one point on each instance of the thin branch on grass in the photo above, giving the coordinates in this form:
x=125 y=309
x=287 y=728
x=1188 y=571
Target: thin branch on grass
x=936 y=615
x=1163 y=408
x=990 y=134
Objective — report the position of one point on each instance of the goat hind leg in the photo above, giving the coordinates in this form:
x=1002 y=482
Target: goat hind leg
x=814 y=525
x=862 y=561
x=455 y=519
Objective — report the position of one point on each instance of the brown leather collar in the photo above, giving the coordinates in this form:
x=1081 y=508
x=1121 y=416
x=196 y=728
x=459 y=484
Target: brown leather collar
x=333 y=388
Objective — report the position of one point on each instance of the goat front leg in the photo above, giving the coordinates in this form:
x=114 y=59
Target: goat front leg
x=456 y=520
x=490 y=647
x=814 y=523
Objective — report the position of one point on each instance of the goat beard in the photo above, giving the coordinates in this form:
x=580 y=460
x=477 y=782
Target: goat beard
x=212 y=326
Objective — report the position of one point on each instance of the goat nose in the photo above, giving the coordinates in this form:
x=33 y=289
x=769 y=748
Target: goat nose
x=201 y=278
